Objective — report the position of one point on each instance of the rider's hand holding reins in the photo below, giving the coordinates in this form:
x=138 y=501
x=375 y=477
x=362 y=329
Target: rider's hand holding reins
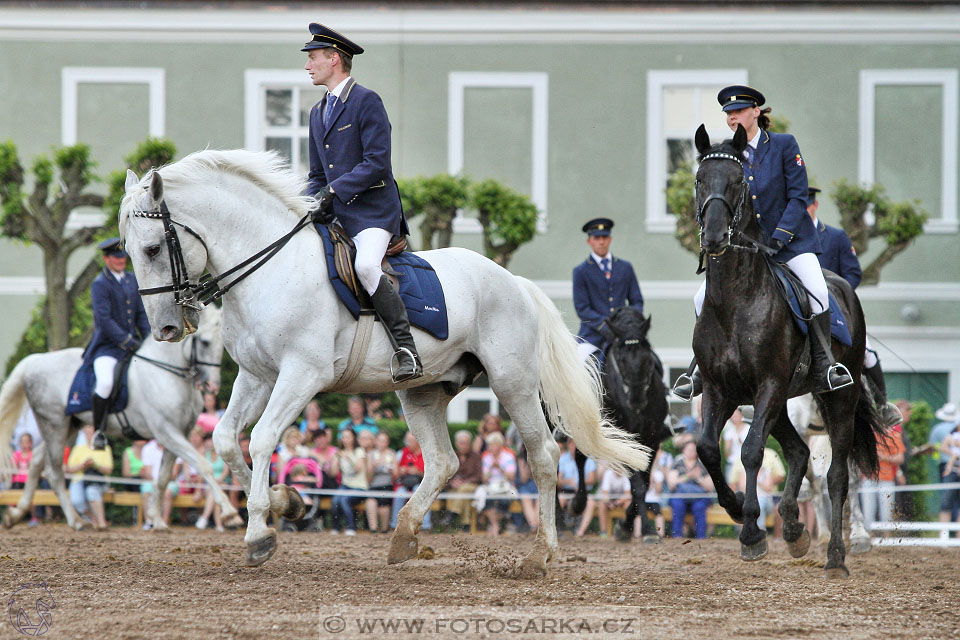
x=323 y=213
x=773 y=248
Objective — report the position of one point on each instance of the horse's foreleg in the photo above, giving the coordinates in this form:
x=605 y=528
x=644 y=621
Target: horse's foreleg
x=639 y=484
x=716 y=412
x=425 y=410
x=838 y=483
x=769 y=410
x=176 y=442
x=798 y=456
x=247 y=401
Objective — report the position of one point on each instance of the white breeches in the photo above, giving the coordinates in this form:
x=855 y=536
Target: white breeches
x=103 y=367
x=371 y=247
x=585 y=350
x=870 y=359
x=806 y=267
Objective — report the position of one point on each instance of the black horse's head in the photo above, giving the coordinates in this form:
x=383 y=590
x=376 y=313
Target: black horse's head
x=721 y=192
x=631 y=357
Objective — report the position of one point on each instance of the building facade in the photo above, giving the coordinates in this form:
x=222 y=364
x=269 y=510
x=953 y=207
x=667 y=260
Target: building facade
x=585 y=110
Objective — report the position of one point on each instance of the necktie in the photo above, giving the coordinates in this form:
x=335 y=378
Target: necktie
x=751 y=152
x=605 y=265
x=331 y=100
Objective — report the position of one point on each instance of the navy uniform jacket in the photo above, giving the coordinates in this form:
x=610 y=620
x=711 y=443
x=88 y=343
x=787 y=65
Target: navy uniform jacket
x=778 y=188
x=838 y=254
x=595 y=297
x=352 y=155
x=119 y=319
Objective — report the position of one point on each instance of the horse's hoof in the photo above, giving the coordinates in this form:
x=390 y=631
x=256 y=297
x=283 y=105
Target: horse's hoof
x=233 y=522
x=533 y=566
x=622 y=534
x=578 y=504
x=753 y=552
x=260 y=551
x=799 y=547
x=286 y=502
x=836 y=573
x=860 y=546
x=11 y=517
x=652 y=539
x=403 y=547
x=82 y=525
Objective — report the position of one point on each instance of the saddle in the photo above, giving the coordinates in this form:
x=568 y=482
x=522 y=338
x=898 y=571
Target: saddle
x=345 y=253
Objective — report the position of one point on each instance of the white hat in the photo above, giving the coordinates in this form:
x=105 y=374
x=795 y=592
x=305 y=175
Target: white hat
x=948 y=413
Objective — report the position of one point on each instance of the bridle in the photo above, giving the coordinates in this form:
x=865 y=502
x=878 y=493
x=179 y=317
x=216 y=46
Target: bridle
x=192 y=371
x=196 y=295
x=736 y=212
x=611 y=357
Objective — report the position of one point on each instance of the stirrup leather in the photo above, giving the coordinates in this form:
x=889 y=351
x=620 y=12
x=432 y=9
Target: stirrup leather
x=417 y=367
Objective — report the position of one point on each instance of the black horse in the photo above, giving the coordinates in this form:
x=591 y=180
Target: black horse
x=748 y=349
x=636 y=399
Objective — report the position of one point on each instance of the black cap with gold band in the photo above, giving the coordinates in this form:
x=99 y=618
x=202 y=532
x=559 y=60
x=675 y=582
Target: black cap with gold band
x=598 y=227
x=324 y=37
x=739 y=96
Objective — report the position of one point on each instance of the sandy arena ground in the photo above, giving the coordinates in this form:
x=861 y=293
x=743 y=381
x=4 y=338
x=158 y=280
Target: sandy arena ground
x=128 y=583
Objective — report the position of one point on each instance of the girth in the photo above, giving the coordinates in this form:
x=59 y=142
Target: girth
x=345 y=253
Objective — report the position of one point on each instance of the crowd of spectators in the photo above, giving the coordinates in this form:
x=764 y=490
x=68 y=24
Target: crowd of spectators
x=494 y=476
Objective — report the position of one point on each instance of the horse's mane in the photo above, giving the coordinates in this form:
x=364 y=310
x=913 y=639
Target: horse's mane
x=266 y=169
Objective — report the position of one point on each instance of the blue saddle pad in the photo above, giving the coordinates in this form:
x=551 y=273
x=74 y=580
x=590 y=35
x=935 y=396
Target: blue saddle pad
x=419 y=289
x=838 y=324
x=81 y=391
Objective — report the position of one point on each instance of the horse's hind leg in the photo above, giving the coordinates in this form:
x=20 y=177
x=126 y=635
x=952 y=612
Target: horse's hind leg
x=425 y=410
x=840 y=423
x=543 y=454
x=798 y=455
x=860 y=542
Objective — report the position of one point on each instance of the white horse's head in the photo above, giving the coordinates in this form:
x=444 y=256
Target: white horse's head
x=207 y=348
x=146 y=244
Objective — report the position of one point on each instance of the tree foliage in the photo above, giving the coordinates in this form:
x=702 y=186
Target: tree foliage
x=437 y=198
x=508 y=218
x=151 y=153
x=917 y=432
x=896 y=223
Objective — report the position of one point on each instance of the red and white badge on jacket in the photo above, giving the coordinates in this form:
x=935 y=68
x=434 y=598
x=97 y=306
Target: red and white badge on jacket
x=799 y=160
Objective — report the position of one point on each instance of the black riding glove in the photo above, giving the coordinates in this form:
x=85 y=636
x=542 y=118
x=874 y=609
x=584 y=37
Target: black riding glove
x=133 y=343
x=774 y=248
x=323 y=212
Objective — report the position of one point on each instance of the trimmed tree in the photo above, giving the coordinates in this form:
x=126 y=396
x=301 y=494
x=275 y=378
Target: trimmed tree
x=508 y=218
x=437 y=198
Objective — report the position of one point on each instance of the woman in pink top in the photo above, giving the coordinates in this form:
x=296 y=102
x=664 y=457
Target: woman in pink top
x=210 y=416
x=21 y=460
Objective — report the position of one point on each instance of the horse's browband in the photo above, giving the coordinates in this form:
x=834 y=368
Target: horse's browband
x=722 y=156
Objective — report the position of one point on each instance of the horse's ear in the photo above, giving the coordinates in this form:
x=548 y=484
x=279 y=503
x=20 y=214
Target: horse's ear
x=702 y=139
x=646 y=324
x=156 y=186
x=132 y=180
x=740 y=139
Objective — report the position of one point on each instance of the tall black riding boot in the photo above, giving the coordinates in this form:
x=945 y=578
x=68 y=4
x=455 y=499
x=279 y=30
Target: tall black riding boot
x=889 y=413
x=830 y=374
x=386 y=300
x=690 y=383
x=100 y=410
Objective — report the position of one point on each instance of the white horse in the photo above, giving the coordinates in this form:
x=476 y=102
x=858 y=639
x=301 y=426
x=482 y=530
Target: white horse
x=805 y=416
x=291 y=338
x=163 y=403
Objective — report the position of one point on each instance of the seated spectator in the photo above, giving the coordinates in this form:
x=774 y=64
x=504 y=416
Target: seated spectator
x=211 y=414
x=86 y=491
x=326 y=456
x=222 y=475
x=21 y=461
x=466 y=480
x=771 y=474
x=311 y=425
x=689 y=476
x=358 y=420
x=375 y=409
x=353 y=473
x=950 y=455
x=733 y=434
x=615 y=493
x=568 y=479
x=291 y=446
x=490 y=423
x=132 y=466
x=382 y=469
x=499 y=472
x=152 y=456
x=409 y=476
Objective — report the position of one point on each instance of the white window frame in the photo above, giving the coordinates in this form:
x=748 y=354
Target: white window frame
x=458 y=83
x=72 y=77
x=657 y=219
x=256 y=81
x=870 y=79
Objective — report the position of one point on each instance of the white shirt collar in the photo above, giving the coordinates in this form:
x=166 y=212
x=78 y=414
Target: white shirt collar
x=118 y=276
x=598 y=259
x=756 y=139
x=339 y=88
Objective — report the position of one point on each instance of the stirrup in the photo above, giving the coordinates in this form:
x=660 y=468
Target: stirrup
x=684 y=380
x=417 y=367
x=99 y=441
x=839 y=369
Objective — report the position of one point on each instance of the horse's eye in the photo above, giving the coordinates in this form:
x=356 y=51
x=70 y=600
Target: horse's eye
x=205 y=344
x=152 y=251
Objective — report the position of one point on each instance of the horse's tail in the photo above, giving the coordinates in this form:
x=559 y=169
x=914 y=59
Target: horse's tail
x=12 y=399
x=571 y=393
x=868 y=431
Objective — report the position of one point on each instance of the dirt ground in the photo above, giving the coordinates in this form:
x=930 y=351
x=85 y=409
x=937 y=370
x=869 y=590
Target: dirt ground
x=128 y=583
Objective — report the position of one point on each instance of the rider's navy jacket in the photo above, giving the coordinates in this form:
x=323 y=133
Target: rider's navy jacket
x=778 y=187
x=595 y=296
x=838 y=254
x=119 y=319
x=351 y=153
